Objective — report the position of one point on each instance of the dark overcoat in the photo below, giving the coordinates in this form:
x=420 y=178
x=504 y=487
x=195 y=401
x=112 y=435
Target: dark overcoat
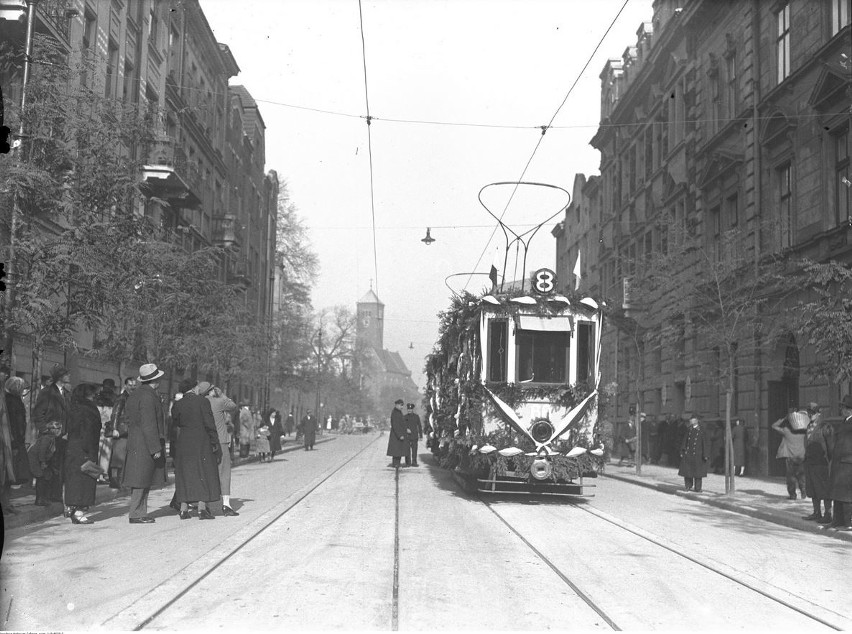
x=818 y=440
x=289 y=424
x=413 y=427
x=196 y=465
x=84 y=433
x=738 y=440
x=309 y=429
x=50 y=405
x=693 y=453
x=840 y=471
x=146 y=435
x=397 y=443
x=276 y=430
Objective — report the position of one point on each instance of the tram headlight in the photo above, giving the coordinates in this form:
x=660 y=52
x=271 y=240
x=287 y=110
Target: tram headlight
x=541 y=469
x=541 y=430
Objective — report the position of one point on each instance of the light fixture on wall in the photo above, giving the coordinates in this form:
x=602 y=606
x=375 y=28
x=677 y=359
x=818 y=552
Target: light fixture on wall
x=428 y=239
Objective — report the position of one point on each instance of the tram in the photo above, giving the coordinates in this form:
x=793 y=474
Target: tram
x=512 y=397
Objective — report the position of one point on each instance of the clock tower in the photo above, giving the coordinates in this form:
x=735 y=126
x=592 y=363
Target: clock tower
x=371 y=320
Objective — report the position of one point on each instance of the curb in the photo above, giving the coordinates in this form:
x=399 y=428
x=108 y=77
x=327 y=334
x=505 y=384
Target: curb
x=742 y=509
x=26 y=516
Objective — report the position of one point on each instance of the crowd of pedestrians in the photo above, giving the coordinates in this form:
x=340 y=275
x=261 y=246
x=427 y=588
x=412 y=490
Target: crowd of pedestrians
x=72 y=440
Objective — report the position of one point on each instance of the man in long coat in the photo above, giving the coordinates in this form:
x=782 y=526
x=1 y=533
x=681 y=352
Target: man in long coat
x=118 y=426
x=693 y=455
x=397 y=444
x=197 y=452
x=817 y=438
x=223 y=408
x=146 y=440
x=52 y=405
x=309 y=429
x=840 y=471
x=413 y=433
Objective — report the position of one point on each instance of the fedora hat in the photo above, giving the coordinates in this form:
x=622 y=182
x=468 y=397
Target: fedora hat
x=203 y=388
x=149 y=372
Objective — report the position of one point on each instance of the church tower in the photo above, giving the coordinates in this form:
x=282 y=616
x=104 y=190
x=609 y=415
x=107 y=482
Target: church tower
x=371 y=320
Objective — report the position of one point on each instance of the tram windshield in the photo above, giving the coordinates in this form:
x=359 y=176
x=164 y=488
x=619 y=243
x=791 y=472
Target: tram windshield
x=543 y=357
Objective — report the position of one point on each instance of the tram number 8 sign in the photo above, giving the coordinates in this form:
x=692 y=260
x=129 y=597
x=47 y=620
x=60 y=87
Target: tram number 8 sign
x=544 y=281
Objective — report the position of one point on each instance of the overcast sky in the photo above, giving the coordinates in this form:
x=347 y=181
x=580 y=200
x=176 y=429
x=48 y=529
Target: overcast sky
x=473 y=79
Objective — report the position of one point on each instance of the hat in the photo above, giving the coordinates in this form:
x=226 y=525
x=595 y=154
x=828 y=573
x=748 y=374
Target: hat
x=812 y=407
x=410 y=406
x=399 y=401
x=642 y=415
x=203 y=387
x=149 y=372
x=108 y=383
x=58 y=372
x=847 y=401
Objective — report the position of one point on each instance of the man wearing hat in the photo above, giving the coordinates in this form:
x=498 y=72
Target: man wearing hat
x=816 y=465
x=840 y=471
x=52 y=405
x=146 y=439
x=397 y=442
x=413 y=433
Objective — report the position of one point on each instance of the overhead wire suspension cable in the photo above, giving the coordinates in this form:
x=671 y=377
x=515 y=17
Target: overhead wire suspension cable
x=369 y=147
x=544 y=129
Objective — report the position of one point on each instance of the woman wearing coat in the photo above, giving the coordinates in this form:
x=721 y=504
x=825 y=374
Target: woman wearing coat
x=693 y=455
x=276 y=431
x=17 y=412
x=84 y=433
x=197 y=453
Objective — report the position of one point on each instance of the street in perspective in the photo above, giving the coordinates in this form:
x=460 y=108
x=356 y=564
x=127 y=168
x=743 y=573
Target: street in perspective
x=333 y=315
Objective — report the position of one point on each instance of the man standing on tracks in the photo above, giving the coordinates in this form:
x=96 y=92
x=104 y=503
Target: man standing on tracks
x=397 y=442
x=413 y=433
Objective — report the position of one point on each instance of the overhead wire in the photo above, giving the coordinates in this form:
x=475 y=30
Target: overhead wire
x=543 y=132
x=369 y=146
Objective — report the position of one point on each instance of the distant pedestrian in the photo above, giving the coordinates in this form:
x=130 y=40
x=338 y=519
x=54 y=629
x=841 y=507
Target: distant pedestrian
x=693 y=455
x=146 y=443
x=627 y=440
x=223 y=409
x=840 y=469
x=738 y=441
x=262 y=436
x=413 y=434
x=651 y=430
x=397 y=443
x=16 y=410
x=308 y=428
x=52 y=405
x=793 y=428
x=197 y=451
x=276 y=430
x=289 y=424
x=817 y=439
x=81 y=458
x=119 y=425
x=246 y=430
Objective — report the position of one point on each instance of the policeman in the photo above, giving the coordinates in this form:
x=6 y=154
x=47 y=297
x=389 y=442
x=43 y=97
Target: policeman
x=413 y=433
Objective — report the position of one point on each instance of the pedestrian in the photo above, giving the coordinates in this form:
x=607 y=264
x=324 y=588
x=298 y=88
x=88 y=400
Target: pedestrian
x=223 y=409
x=52 y=405
x=81 y=457
x=146 y=443
x=793 y=429
x=738 y=442
x=308 y=428
x=7 y=465
x=413 y=434
x=290 y=423
x=662 y=432
x=276 y=431
x=817 y=439
x=693 y=455
x=246 y=430
x=263 y=434
x=197 y=451
x=840 y=468
x=627 y=439
x=119 y=426
x=716 y=442
x=17 y=413
x=397 y=443
x=651 y=430
x=40 y=456
x=105 y=402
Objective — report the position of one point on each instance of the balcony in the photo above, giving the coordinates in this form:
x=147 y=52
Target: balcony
x=227 y=231
x=56 y=14
x=170 y=176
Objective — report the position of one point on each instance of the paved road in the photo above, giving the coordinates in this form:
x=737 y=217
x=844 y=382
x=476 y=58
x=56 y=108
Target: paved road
x=317 y=546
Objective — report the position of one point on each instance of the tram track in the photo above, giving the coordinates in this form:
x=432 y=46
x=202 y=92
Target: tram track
x=131 y=619
x=828 y=618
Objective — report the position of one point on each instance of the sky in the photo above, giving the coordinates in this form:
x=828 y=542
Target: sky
x=457 y=90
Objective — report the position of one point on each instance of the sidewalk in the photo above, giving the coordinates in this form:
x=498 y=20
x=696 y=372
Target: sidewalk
x=28 y=513
x=764 y=498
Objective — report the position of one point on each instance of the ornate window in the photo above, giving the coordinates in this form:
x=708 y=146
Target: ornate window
x=782 y=43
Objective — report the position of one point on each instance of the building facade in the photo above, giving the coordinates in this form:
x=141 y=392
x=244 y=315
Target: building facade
x=726 y=118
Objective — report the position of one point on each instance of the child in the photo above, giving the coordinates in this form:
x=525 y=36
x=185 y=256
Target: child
x=263 y=434
x=39 y=455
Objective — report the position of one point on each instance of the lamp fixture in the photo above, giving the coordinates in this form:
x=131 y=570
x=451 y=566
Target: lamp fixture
x=428 y=239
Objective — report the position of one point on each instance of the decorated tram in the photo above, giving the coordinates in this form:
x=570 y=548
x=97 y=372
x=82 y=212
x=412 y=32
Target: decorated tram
x=512 y=395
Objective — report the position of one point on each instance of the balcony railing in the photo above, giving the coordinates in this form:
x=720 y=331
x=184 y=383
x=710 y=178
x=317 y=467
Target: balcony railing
x=56 y=14
x=165 y=153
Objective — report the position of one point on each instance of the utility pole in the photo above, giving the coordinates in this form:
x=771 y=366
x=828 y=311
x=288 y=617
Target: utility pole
x=13 y=225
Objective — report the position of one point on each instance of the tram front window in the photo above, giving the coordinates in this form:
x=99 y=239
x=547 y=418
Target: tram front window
x=542 y=356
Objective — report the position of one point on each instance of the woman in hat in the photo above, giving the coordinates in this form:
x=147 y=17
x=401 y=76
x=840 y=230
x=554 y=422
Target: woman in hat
x=84 y=433
x=693 y=455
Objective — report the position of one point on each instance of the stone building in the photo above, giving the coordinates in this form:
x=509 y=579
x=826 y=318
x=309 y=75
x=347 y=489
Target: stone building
x=208 y=159
x=725 y=118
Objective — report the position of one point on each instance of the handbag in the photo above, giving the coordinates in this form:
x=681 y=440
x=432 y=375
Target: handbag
x=91 y=469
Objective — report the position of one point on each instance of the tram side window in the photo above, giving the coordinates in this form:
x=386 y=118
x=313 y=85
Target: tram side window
x=497 y=356
x=585 y=351
x=542 y=356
